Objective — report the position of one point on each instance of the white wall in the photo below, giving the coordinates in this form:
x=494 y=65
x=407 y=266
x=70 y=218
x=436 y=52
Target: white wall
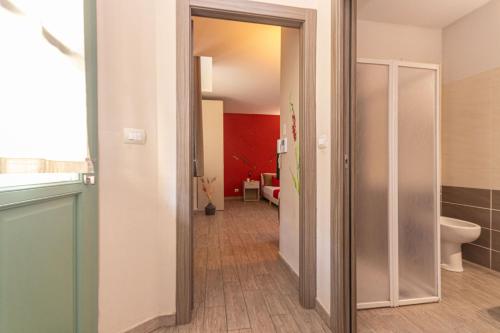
x=399 y=42
x=289 y=196
x=213 y=152
x=129 y=278
x=471 y=100
x=137 y=183
x=166 y=107
x=323 y=110
x=470 y=45
x=136 y=54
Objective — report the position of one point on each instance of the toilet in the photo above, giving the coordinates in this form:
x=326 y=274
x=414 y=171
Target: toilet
x=454 y=233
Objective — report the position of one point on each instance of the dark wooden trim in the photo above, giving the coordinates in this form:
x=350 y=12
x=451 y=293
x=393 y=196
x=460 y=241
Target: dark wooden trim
x=350 y=108
x=307 y=139
x=199 y=161
x=247 y=11
x=184 y=188
x=343 y=264
x=255 y=12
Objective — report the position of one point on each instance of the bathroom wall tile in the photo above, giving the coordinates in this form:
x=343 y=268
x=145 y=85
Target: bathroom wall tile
x=480 y=216
x=476 y=254
x=494 y=127
x=471 y=135
x=495 y=261
x=495 y=220
x=484 y=238
x=466 y=134
x=495 y=199
x=495 y=240
x=466 y=196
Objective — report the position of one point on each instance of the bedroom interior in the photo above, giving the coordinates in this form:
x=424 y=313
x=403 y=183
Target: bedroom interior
x=247 y=165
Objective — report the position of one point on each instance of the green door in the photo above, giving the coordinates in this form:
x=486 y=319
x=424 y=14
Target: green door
x=49 y=240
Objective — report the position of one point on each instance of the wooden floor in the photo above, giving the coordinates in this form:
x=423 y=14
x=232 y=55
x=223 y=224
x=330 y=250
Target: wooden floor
x=470 y=303
x=240 y=285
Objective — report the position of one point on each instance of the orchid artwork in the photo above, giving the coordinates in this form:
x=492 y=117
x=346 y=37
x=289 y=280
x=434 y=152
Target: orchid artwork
x=251 y=168
x=295 y=173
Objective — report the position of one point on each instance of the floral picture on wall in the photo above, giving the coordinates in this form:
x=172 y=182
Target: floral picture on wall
x=295 y=173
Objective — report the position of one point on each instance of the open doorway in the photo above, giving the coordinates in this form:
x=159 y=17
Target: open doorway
x=246 y=197
x=304 y=285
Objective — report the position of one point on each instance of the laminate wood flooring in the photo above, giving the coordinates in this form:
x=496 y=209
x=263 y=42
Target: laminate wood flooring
x=240 y=285
x=470 y=304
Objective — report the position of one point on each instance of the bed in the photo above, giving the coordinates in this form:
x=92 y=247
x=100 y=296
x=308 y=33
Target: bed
x=270 y=188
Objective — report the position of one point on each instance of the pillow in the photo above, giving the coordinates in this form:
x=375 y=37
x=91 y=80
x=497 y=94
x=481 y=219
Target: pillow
x=268 y=179
x=275 y=182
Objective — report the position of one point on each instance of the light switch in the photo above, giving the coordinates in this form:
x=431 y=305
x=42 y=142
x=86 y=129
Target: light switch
x=322 y=142
x=281 y=146
x=134 y=136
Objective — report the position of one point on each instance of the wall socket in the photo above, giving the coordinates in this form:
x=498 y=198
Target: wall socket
x=236 y=190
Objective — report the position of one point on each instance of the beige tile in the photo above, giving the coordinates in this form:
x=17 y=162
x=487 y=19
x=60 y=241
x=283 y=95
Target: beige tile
x=236 y=310
x=215 y=290
x=239 y=284
x=467 y=306
x=260 y=319
x=466 y=134
x=285 y=324
x=215 y=319
x=275 y=303
x=247 y=278
x=196 y=325
x=495 y=128
x=308 y=321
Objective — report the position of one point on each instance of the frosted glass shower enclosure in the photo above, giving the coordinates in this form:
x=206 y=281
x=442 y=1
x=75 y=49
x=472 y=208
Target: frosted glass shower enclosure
x=396 y=183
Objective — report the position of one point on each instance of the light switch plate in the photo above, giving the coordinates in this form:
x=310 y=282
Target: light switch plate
x=282 y=146
x=134 y=136
x=322 y=141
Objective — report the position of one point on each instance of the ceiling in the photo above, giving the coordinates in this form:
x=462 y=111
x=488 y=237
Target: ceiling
x=424 y=13
x=246 y=63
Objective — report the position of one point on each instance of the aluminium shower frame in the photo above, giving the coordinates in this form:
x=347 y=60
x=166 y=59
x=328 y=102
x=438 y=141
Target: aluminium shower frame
x=393 y=225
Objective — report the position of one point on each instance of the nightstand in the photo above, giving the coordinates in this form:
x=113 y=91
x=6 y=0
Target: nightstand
x=251 y=190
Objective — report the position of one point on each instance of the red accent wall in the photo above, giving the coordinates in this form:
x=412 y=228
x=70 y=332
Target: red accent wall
x=248 y=139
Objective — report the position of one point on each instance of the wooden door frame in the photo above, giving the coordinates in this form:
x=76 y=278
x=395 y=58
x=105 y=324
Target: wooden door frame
x=343 y=257
x=255 y=12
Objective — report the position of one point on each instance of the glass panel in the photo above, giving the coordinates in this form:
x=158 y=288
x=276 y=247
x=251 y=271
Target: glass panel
x=43 y=104
x=371 y=187
x=8 y=180
x=416 y=182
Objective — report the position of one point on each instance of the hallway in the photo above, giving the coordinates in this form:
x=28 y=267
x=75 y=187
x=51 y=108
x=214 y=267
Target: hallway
x=240 y=284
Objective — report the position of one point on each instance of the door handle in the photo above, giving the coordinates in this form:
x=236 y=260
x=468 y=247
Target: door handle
x=89 y=179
